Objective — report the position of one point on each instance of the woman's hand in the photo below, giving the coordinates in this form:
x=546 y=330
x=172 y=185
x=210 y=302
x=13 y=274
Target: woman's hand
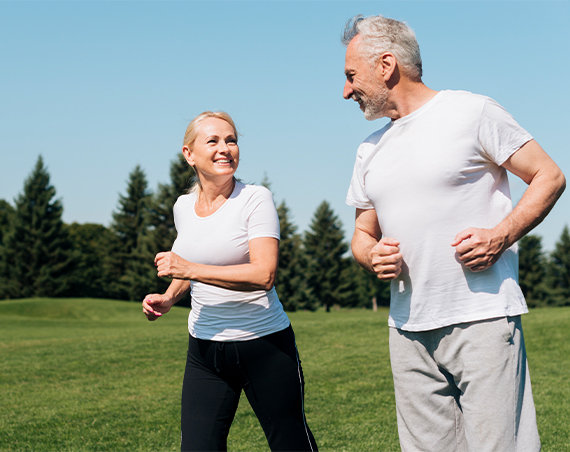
x=171 y=265
x=155 y=305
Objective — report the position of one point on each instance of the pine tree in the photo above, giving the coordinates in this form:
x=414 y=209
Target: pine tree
x=265 y=182
x=559 y=270
x=140 y=274
x=127 y=253
x=182 y=177
x=291 y=283
x=37 y=248
x=91 y=243
x=325 y=248
x=7 y=213
x=163 y=233
x=369 y=291
x=532 y=270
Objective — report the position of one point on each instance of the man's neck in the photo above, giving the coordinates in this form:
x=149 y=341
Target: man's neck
x=406 y=97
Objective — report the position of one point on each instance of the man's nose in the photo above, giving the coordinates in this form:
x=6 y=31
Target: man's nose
x=347 y=92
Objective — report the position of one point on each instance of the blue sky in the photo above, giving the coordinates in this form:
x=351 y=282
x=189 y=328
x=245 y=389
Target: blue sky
x=99 y=87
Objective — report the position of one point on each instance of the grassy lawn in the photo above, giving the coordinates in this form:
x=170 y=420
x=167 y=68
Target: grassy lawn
x=95 y=375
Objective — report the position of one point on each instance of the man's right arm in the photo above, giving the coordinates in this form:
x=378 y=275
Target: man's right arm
x=377 y=254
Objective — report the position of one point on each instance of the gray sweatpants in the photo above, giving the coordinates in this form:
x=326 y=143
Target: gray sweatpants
x=464 y=387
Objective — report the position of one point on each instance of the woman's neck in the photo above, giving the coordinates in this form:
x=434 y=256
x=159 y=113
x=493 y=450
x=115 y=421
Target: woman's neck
x=212 y=195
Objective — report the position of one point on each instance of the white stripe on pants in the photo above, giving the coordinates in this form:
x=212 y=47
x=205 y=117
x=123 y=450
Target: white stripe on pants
x=464 y=387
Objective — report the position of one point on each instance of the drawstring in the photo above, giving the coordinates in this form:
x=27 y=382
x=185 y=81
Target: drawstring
x=237 y=353
x=219 y=348
x=220 y=355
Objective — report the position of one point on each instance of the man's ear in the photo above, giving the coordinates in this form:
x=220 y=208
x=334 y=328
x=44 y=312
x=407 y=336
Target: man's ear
x=386 y=66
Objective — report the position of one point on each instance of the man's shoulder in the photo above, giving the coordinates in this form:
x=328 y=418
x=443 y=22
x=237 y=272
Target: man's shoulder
x=376 y=136
x=464 y=97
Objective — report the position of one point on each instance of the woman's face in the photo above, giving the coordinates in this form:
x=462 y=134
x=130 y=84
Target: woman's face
x=215 y=152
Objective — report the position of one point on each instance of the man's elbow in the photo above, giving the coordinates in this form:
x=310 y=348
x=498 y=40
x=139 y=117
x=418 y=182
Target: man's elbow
x=562 y=182
x=559 y=182
x=355 y=249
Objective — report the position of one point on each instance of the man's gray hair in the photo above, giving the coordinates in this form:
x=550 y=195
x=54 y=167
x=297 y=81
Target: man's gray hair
x=382 y=34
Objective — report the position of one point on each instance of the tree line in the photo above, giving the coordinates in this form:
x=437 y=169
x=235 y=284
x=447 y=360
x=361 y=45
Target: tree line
x=43 y=256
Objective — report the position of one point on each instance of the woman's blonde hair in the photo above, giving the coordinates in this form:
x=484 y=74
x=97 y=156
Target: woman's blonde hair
x=192 y=132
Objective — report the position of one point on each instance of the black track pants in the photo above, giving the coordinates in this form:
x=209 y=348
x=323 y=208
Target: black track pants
x=268 y=369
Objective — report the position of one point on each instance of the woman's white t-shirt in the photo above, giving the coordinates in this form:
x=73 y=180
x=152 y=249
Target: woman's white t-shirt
x=430 y=175
x=223 y=239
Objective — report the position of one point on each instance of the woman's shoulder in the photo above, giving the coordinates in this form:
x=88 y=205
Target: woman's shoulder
x=253 y=196
x=252 y=190
x=184 y=200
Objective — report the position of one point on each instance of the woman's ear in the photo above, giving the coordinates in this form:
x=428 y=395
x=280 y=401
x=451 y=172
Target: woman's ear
x=187 y=153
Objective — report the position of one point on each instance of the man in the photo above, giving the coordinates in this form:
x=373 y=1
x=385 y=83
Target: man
x=434 y=215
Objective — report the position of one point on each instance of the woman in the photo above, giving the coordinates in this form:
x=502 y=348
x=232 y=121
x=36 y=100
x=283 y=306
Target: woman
x=226 y=254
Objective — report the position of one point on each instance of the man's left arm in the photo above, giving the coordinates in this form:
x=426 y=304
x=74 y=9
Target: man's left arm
x=478 y=248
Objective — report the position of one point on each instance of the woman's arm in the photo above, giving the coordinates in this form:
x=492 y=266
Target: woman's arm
x=155 y=304
x=258 y=274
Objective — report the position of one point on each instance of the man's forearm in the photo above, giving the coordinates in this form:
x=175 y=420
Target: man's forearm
x=545 y=185
x=361 y=245
x=536 y=202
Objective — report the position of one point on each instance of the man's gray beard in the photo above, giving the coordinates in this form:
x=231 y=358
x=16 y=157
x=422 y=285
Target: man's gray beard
x=371 y=114
x=374 y=109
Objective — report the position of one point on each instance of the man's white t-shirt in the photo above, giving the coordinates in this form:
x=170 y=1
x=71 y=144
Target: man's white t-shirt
x=430 y=175
x=223 y=239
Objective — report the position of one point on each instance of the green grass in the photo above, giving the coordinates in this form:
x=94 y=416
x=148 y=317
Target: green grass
x=95 y=375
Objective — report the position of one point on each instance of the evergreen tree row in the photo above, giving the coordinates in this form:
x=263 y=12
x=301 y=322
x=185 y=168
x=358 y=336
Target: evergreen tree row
x=545 y=278
x=43 y=256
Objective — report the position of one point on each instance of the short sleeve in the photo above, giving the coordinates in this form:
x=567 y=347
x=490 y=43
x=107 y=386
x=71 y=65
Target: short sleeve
x=356 y=196
x=262 y=219
x=499 y=134
x=176 y=213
